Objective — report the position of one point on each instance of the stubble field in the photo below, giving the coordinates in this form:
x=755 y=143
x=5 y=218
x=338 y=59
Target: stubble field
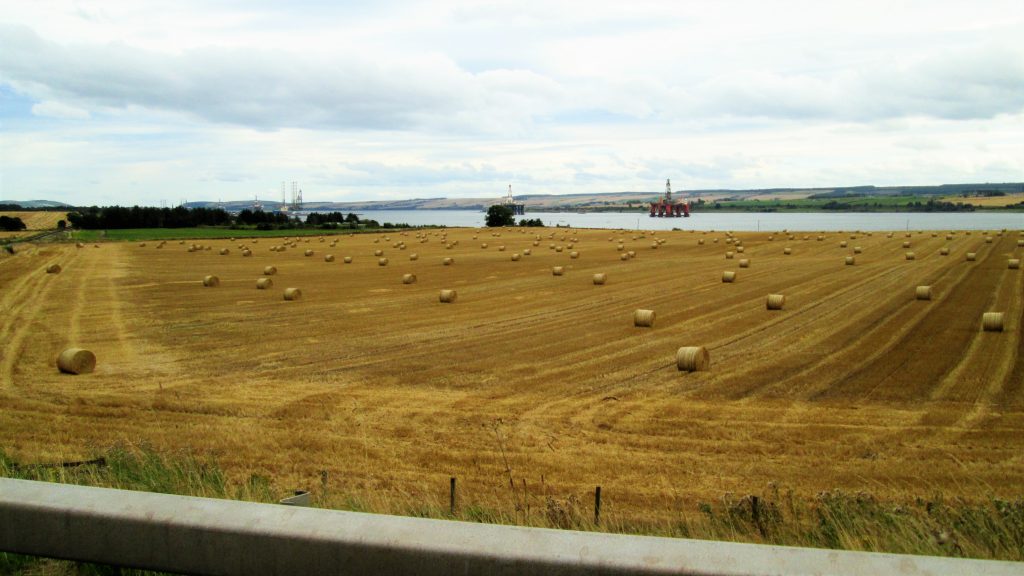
x=530 y=379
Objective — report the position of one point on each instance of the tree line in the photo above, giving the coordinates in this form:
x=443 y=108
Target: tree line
x=119 y=217
x=113 y=217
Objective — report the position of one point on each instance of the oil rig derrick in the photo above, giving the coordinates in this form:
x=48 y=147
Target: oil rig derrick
x=665 y=206
x=517 y=208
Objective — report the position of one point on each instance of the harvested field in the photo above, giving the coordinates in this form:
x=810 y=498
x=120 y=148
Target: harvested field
x=541 y=380
x=987 y=201
x=42 y=220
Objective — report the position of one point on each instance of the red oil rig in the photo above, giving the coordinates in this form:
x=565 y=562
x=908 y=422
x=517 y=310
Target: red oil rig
x=665 y=207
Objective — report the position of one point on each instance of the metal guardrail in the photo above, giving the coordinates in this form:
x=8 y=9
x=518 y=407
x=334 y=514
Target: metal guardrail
x=208 y=536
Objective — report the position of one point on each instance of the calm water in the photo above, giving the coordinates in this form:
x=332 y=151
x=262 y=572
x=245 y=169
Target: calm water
x=723 y=221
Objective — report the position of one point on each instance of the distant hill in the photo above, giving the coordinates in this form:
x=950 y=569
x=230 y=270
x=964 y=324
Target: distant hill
x=35 y=204
x=609 y=200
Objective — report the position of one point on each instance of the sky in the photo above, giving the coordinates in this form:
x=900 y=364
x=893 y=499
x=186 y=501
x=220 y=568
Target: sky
x=156 y=102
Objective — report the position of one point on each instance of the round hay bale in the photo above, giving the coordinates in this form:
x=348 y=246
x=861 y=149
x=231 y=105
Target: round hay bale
x=631 y=254
x=448 y=296
x=744 y=263
x=620 y=247
x=557 y=270
x=414 y=256
x=246 y=253
x=600 y=278
x=142 y=244
x=501 y=248
x=53 y=269
x=971 y=256
x=347 y=259
x=692 y=359
x=923 y=293
x=79 y=245
x=906 y=244
x=224 y=252
x=292 y=294
x=76 y=361
x=728 y=255
x=378 y=253
x=448 y=261
x=382 y=262
x=700 y=241
x=1013 y=263
x=526 y=252
x=787 y=251
x=851 y=261
x=574 y=254
x=269 y=270
x=843 y=244
x=820 y=238
x=992 y=321
x=515 y=257
x=857 y=249
x=949 y=236
x=775 y=301
x=536 y=243
x=988 y=239
x=623 y=257
x=558 y=248
x=909 y=256
x=771 y=238
x=264 y=283
x=483 y=245
x=739 y=249
x=654 y=245
x=408 y=279
x=944 y=251
x=211 y=281
x=308 y=252
x=728 y=276
x=328 y=257
x=643 y=318
x=1020 y=243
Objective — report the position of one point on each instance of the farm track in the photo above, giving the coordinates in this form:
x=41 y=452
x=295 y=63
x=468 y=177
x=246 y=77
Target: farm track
x=380 y=383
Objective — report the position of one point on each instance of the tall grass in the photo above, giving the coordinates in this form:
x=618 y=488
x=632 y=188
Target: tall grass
x=837 y=520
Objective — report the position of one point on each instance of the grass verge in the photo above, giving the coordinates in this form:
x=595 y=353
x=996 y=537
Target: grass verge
x=934 y=526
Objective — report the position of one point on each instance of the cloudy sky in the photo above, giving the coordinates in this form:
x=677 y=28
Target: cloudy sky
x=130 y=101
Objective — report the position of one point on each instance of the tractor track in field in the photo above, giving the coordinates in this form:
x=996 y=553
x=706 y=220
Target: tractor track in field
x=926 y=350
x=22 y=301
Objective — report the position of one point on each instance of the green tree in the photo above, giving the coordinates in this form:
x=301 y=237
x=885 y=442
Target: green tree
x=499 y=215
x=11 y=224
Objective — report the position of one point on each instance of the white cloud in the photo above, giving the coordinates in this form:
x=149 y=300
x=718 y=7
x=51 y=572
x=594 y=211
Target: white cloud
x=51 y=109
x=226 y=99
